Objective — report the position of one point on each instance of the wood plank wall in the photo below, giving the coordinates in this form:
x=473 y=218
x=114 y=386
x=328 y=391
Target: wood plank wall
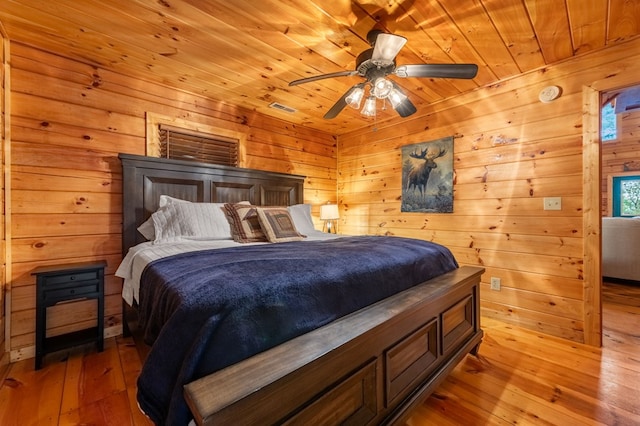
x=621 y=155
x=511 y=151
x=69 y=122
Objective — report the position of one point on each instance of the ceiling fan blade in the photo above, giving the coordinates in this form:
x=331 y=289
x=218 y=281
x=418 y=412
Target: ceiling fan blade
x=342 y=102
x=437 y=70
x=323 y=76
x=406 y=107
x=386 y=48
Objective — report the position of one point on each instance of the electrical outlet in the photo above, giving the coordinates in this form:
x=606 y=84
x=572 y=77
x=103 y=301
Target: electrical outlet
x=495 y=283
x=553 y=203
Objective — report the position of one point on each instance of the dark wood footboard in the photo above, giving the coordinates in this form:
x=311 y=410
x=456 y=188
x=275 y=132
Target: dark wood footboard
x=369 y=367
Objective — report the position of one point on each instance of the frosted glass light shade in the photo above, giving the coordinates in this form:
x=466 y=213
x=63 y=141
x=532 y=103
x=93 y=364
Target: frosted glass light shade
x=382 y=88
x=386 y=48
x=355 y=97
x=369 y=109
x=396 y=98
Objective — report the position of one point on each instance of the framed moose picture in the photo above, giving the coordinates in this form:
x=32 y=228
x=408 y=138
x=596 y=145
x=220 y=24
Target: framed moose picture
x=427 y=176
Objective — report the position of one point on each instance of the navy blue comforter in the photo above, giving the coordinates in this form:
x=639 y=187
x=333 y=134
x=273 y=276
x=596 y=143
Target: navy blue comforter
x=206 y=310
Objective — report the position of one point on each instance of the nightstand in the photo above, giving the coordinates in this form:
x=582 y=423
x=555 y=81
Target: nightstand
x=64 y=283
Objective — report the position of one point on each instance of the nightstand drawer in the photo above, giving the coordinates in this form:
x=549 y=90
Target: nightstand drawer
x=79 y=276
x=68 y=283
x=71 y=290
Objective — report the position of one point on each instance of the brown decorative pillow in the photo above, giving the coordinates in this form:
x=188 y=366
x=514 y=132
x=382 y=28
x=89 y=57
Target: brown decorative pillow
x=277 y=224
x=244 y=223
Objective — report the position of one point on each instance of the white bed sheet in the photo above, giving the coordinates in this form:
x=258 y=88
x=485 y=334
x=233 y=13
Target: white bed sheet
x=141 y=255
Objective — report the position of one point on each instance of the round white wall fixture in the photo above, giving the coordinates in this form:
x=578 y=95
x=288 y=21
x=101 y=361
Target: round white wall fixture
x=549 y=94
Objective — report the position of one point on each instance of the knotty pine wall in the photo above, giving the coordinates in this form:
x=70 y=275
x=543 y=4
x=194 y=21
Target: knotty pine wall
x=69 y=122
x=511 y=151
x=622 y=155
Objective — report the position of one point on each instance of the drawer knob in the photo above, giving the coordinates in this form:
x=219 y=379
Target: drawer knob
x=72 y=277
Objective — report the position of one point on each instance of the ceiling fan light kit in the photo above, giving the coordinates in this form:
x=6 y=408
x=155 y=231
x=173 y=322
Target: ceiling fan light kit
x=378 y=62
x=396 y=98
x=369 y=108
x=382 y=88
x=354 y=98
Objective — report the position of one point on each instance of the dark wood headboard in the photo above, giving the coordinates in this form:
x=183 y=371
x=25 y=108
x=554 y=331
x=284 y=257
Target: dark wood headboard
x=144 y=179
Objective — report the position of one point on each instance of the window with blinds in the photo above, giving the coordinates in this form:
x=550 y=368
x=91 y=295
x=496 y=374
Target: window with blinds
x=183 y=144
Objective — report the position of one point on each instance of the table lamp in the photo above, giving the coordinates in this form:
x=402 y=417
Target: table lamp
x=329 y=214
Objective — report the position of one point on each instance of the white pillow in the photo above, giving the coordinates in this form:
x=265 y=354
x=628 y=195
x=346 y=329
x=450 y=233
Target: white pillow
x=147 y=229
x=301 y=215
x=165 y=200
x=191 y=220
x=168 y=224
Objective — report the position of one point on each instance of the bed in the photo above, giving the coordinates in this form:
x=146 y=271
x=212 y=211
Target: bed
x=379 y=354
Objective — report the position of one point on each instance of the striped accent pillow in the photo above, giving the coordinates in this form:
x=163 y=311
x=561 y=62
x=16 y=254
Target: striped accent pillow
x=244 y=223
x=277 y=224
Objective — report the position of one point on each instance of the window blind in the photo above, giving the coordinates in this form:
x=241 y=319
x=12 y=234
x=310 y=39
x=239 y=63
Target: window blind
x=182 y=144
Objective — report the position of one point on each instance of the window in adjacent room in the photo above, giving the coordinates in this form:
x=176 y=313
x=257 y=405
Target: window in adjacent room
x=625 y=195
x=609 y=122
x=614 y=104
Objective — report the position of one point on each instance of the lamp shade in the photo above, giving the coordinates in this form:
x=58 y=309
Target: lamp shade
x=329 y=212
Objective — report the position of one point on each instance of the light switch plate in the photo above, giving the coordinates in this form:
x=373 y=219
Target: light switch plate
x=495 y=283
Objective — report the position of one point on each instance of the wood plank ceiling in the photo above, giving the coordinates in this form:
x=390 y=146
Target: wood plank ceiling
x=245 y=53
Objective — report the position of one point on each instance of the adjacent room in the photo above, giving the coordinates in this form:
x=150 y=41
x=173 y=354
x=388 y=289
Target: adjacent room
x=417 y=212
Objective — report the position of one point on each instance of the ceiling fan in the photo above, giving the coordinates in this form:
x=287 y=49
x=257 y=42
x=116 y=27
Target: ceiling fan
x=378 y=62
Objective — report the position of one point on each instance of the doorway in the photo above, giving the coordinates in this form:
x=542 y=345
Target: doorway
x=592 y=204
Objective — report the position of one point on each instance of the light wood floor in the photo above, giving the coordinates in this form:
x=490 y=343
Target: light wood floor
x=520 y=377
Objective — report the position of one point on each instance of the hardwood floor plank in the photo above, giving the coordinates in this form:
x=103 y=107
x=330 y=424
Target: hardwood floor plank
x=448 y=407
x=562 y=396
x=29 y=397
x=92 y=376
x=621 y=294
x=569 y=364
x=429 y=414
x=483 y=406
x=131 y=365
x=112 y=410
x=521 y=396
x=622 y=329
